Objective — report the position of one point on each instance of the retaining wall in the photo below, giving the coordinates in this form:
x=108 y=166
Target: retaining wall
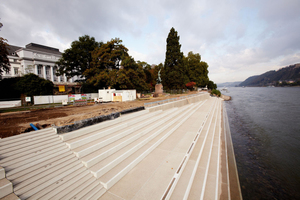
x=179 y=103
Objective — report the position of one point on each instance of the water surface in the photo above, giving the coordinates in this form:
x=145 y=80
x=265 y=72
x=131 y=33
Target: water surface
x=265 y=128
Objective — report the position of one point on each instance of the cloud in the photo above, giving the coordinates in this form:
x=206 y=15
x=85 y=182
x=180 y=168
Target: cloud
x=237 y=39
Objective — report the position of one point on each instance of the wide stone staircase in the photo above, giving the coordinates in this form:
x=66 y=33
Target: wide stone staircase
x=39 y=165
x=178 y=153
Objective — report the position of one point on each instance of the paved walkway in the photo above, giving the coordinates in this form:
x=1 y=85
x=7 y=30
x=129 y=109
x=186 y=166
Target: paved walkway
x=178 y=153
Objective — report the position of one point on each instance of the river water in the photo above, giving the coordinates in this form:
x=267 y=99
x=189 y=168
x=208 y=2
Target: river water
x=265 y=129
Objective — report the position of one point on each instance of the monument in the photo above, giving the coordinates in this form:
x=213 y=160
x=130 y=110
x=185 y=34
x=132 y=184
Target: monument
x=158 y=86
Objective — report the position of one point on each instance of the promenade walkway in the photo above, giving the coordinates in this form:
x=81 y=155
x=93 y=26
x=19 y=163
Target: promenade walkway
x=172 y=151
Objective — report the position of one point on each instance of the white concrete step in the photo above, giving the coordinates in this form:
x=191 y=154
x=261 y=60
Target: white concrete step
x=69 y=189
x=14 y=164
x=110 y=129
x=193 y=179
x=102 y=125
x=187 y=150
x=123 y=144
x=2 y=172
x=59 y=185
x=115 y=136
x=31 y=156
x=5 y=187
x=87 y=186
x=47 y=167
x=19 y=138
x=38 y=167
x=22 y=188
x=11 y=196
x=109 y=148
x=110 y=178
x=13 y=170
x=209 y=184
x=28 y=149
x=99 y=168
x=116 y=129
x=50 y=171
x=26 y=143
x=37 y=186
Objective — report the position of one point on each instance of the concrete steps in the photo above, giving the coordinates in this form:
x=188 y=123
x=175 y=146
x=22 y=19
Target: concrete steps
x=114 y=154
x=109 y=178
x=177 y=153
x=43 y=167
x=200 y=178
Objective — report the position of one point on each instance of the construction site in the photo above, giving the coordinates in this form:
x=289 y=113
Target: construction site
x=174 y=147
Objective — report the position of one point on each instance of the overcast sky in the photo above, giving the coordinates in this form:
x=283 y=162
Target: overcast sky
x=236 y=38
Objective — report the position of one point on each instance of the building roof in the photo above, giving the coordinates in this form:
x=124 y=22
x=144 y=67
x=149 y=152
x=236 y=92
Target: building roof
x=12 y=49
x=39 y=47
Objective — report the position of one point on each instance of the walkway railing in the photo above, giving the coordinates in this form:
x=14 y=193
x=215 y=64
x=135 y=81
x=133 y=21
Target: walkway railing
x=155 y=103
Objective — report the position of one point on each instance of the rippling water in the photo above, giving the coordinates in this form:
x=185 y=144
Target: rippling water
x=265 y=128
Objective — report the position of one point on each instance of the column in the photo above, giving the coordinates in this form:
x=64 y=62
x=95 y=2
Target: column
x=36 y=70
x=51 y=74
x=44 y=72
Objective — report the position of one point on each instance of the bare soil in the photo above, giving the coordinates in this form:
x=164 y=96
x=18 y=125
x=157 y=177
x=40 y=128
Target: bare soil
x=15 y=123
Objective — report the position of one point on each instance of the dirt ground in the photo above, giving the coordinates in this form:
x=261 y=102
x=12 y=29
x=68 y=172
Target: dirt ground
x=18 y=122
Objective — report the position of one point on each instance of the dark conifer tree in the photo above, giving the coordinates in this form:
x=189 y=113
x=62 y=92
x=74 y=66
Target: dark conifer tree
x=174 y=73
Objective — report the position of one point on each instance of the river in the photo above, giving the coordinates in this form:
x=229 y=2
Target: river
x=265 y=129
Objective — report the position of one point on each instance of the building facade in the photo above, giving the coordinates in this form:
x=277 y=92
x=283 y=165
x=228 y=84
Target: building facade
x=37 y=59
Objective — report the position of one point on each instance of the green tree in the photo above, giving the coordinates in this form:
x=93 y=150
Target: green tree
x=9 y=89
x=31 y=84
x=106 y=57
x=112 y=66
x=78 y=58
x=174 y=72
x=4 y=61
x=211 y=85
x=196 y=69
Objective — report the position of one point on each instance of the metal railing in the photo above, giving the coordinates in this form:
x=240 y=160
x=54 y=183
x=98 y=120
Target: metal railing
x=156 y=103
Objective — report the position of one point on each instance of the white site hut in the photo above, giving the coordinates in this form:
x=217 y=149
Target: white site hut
x=117 y=95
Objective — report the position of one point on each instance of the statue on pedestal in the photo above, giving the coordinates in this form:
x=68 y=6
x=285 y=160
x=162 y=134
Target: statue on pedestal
x=158 y=81
x=158 y=86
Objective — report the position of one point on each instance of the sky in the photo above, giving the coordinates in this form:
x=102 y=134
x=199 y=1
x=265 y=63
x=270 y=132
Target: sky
x=237 y=38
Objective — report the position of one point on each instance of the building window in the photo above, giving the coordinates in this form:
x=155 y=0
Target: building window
x=16 y=70
x=40 y=69
x=8 y=72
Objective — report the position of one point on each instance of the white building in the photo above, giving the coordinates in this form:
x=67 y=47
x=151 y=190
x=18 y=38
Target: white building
x=37 y=59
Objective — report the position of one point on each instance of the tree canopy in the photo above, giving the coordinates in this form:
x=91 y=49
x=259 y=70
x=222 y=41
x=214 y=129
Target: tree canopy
x=196 y=69
x=77 y=59
x=174 y=74
x=4 y=61
x=112 y=66
x=31 y=84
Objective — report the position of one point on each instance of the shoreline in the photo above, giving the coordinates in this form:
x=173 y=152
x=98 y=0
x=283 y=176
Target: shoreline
x=225 y=97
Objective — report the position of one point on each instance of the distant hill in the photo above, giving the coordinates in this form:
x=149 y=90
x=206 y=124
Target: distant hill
x=287 y=74
x=228 y=84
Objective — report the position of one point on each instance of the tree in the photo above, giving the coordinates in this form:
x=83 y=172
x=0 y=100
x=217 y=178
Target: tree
x=174 y=72
x=77 y=59
x=211 y=85
x=196 y=69
x=107 y=57
x=112 y=66
x=31 y=84
x=190 y=85
x=4 y=61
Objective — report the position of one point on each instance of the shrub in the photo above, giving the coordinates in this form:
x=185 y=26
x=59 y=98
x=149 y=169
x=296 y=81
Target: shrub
x=216 y=92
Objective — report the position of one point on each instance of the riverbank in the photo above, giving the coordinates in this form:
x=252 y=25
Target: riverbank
x=225 y=97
